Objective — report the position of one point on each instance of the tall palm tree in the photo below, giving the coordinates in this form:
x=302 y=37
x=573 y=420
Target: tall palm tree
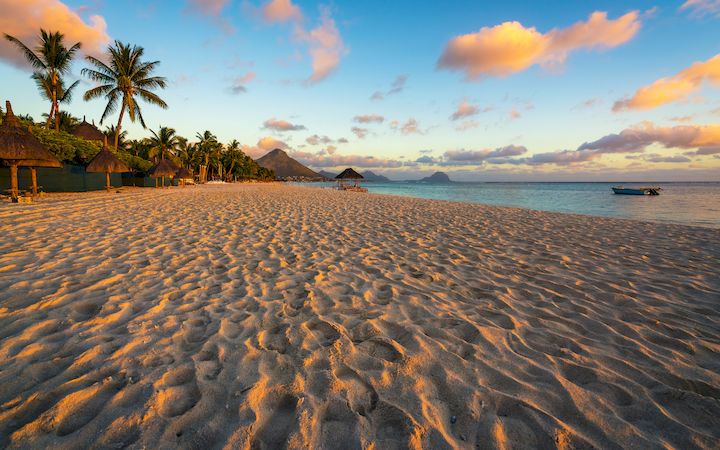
x=52 y=60
x=163 y=141
x=111 y=132
x=44 y=84
x=68 y=122
x=123 y=80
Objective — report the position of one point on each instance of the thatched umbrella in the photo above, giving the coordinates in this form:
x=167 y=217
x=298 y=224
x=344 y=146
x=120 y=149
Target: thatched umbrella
x=88 y=131
x=183 y=173
x=17 y=145
x=164 y=168
x=348 y=174
x=107 y=162
x=33 y=164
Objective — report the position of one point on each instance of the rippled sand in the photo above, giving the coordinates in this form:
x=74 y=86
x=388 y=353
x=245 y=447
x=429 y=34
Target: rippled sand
x=271 y=316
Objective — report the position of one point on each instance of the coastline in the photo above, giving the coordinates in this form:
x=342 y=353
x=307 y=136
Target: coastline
x=266 y=314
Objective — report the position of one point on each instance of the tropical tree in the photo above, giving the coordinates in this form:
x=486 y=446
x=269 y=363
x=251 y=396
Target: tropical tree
x=67 y=121
x=50 y=91
x=165 y=140
x=122 y=81
x=51 y=60
x=208 y=148
x=112 y=134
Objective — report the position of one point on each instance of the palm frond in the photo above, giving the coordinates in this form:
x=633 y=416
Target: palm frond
x=30 y=56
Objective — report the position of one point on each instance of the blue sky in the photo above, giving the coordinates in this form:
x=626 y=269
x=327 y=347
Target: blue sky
x=555 y=104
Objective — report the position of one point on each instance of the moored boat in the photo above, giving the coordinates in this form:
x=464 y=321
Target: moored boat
x=647 y=190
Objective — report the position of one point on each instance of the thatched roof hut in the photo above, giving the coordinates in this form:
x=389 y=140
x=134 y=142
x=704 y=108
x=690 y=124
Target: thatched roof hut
x=106 y=161
x=18 y=147
x=183 y=173
x=349 y=174
x=164 y=168
x=88 y=131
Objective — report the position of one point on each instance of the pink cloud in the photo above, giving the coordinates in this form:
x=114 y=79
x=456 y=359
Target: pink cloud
x=211 y=8
x=369 y=118
x=409 y=127
x=281 y=125
x=700 y=8
x=23 y=19
x=281 y=11
x=677 y=87
x=464 y=109
x=359 y=132
x=315 y=140
x=511 y=47
x=325 y=47
x=239 y=84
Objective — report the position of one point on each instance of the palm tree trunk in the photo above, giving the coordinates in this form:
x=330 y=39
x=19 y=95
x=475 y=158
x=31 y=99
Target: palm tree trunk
x=50 y=116
x=107 y=181
x=55 y=101
x=117 y=129
x=13 y=180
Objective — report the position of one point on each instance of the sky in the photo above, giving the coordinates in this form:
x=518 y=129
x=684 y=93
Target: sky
x=484 y=91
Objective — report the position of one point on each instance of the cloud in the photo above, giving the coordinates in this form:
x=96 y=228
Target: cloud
x=23 y=19
x=466 y=157
x=264 y=145
x=467 y=125
x=409 y=127
x=677 y=87
x=397 y=86
x=428 y=160
x=667 y=159
x=464 y=109
x=325 y=47
x=369 y=118
x=336 y=160
x=238 y=85
x=208 y=7
x=279 y=11
x=359 y=132
x=315 y=140
x=588 y=103
x=281 y=125
x=510 y=47
x=700 y=8
x=515 y=114
x=343 y=141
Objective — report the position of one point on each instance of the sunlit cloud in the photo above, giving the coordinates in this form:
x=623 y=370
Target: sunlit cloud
x=212 y=9
x=467 y=125
x=281 y=125
x=510 y=47
x=465 y=109
x=397 y=86
x=239 y=84
x=369 y=118
x=469 y=157
x=325 y=47
x=700 y=8
x=359 y=132
x=281 y=11
x=316 y=140
x=326 y=159
x=264 y=145
x=677 y=87
x=409 y=127
x=23 y=19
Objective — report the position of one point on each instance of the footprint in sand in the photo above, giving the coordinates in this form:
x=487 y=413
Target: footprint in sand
x=326 y=333
x=380 y=348
x=278 y=419
x=274 y=339
x=361 y=396
x=180 y=392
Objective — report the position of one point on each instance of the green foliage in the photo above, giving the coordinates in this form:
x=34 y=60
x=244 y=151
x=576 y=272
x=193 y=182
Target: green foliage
x=66 y=147
x=134 y=162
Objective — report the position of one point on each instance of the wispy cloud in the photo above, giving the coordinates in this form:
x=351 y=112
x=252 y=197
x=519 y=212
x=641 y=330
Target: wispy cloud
x=281 y=11
x=281 y=125
x=23 y=19
x=677 y=87
x=239 y=84
x=411 y=126
x=465 y=109
x=511 y=47
x=369 y=118
x=701 y=8
x=316 y=140
x=397 y=86
x=212 y=9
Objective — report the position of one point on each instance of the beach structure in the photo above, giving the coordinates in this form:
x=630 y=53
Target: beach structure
x=88 y=131
x=183 y=174
x=19 y=148
x=645 y=190
x=349 y=180
x=164 y=168
x=106 y=162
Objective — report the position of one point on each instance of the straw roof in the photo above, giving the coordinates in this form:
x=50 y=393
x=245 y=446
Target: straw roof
x=183 y=173
x=37 y=163
x=164 y=168
x=88 y=131
x=106 y=161
x=349 y=174
x=18 y=143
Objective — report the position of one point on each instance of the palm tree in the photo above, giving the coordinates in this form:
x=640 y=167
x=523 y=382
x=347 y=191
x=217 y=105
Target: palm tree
x=163 y=141
x=67 y=121
x=51 y=59
x=123 y=80
x=62 y=95
x=111 y=132
x=207 y=147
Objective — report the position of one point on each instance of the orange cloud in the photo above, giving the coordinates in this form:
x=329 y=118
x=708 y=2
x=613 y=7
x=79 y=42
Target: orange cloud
x=281 y=125
x=465 y=109
x=281 y=11
x=326 y=47
x=23 y=19
x=677 y=87
x=208 y=7
x=511 y=47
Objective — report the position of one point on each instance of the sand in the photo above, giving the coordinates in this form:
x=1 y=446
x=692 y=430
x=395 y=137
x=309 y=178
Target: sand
x=271 y=316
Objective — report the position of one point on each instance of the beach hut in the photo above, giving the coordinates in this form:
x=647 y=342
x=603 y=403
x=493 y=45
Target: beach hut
x=107 y=162
x=18 y=147
x=349 y=180
x=88 y=131
x=182 y=174
x=164 y=168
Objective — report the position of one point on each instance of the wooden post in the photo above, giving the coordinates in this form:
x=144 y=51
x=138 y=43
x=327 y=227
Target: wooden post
x=13 y=180
x=33 y=175
x=107 y=181
x=156 y=178
x=163 y=181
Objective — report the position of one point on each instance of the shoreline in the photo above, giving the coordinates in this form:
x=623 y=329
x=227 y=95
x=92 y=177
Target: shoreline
x=274 y=315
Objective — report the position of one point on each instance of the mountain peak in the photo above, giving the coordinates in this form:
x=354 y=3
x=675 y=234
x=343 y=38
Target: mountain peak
x=284 y=166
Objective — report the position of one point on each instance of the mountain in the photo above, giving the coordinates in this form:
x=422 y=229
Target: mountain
x=437 y=177
x=284 y=166
x=326 y=174
x=371 y=176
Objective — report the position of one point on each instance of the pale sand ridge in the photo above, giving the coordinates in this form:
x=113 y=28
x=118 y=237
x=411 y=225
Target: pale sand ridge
x=270 y=316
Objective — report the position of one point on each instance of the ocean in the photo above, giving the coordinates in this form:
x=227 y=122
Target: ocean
x=696 y=204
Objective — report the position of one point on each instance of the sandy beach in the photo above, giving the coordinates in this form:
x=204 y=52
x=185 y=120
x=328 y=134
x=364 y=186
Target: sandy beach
x=273 y=316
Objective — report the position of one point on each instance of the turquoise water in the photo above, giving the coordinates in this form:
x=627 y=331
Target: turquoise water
x=682 y=203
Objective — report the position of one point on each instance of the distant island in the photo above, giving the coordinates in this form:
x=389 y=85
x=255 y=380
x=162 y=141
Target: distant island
x=437 y=177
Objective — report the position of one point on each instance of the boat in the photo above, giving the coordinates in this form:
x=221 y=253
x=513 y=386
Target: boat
x=645 y=190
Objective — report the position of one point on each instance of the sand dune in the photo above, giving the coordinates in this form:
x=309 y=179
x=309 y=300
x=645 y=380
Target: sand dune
x=270 y=316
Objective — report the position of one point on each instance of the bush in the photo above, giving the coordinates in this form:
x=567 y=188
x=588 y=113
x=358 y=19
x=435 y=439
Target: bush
x=66 y=147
